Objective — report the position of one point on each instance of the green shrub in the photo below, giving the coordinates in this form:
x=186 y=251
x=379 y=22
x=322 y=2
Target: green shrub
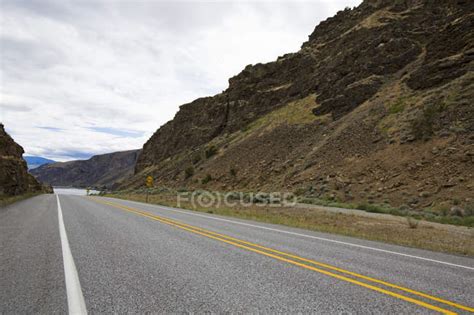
x=211 y=151
x=423 y=125
x=196 y=158
x=370 y=208
x=300 y=191
x=466 y=221
x=206 y=179
x=412 y=223
x=188 y=172
x=397 y=107
x=469 y=209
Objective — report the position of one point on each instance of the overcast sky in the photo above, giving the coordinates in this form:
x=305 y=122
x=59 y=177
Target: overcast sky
x=87 y=77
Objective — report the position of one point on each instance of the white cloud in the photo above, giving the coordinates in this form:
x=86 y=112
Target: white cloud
x=81 y=65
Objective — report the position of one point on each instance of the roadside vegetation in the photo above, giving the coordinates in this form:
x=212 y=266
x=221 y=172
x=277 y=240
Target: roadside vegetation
x=438 y=214
x=5 y=201
x=403 y=228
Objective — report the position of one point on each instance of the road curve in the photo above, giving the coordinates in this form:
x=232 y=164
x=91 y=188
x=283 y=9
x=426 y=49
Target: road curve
x=133 y=257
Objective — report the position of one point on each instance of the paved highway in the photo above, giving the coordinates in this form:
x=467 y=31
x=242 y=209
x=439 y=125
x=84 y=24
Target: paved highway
x=80 y=254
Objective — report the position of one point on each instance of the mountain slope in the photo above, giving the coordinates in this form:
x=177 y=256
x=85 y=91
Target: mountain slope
x=36 y=161
x=376 y=107
x=98 y=171
x=14 y=177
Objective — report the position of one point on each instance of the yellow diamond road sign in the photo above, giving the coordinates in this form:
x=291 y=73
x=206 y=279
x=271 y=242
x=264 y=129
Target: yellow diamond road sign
x=149 y=181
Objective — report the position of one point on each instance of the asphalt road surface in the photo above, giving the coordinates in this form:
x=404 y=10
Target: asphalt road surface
x=80 y=254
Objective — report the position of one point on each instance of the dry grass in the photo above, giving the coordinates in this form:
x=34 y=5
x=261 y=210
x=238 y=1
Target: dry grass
x=297 y=112
x=280 y=87
x=376 y=19
x=425 y=235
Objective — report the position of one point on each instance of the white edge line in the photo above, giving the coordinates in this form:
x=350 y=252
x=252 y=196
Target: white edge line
x=308 y=236
x=75 y=299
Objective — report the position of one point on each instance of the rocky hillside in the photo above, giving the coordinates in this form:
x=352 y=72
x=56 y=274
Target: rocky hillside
x=376 y=107
x=14 y=177
x=98 y=171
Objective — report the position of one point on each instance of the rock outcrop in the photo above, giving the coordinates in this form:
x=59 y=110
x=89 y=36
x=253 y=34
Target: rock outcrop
x=355 y=115
x=14 y=177
x=99 y=171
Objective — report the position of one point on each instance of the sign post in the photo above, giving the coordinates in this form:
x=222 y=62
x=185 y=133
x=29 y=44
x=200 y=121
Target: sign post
x=149 y=184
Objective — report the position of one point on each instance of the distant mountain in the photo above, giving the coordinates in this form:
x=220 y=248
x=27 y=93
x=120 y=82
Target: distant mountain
x=36 y=161
x=14 y=177
x=98 y=171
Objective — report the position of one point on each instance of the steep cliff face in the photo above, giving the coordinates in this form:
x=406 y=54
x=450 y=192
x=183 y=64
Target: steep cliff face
x=14 y=177
x=377 y=106
x=98 y=171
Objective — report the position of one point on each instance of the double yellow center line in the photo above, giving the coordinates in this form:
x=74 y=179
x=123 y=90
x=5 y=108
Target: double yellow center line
x=309 y=264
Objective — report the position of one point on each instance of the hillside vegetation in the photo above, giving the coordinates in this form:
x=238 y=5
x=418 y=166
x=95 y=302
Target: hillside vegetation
x=376 y=108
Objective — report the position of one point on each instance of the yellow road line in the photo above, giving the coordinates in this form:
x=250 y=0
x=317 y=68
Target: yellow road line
x=453 y=304
x=232 y=241
x=388 y=284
